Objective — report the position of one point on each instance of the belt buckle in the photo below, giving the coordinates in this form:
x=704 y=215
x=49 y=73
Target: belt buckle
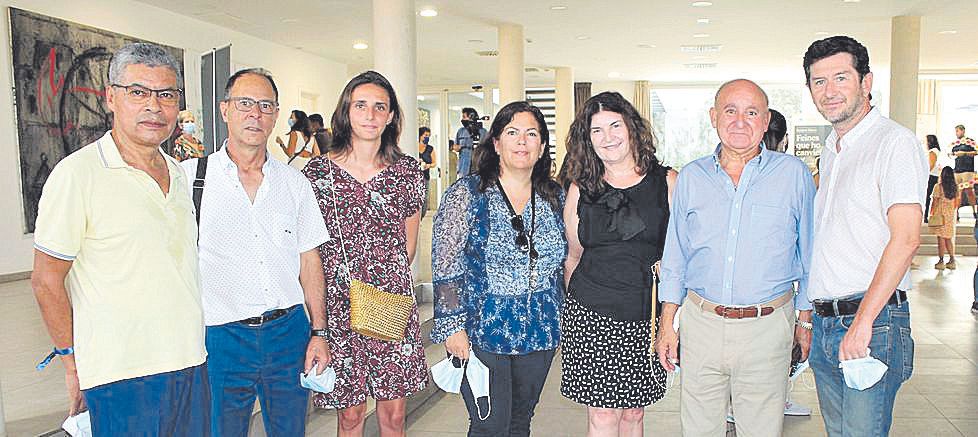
x=733 y=312
x=260 y=321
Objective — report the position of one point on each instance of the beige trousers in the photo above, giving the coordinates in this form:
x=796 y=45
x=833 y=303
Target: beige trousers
x=743 y=360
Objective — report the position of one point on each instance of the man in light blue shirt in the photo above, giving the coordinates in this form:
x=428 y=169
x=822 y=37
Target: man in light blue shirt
x=739 y=240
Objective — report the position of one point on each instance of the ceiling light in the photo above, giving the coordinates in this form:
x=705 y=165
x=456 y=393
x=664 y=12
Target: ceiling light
x=947 y=32
x=583 y=37
x=701 y=4
x=420 y=98
x=701 y=35
x=558 y=8
x=701 y=48
x=850 y=1
x=476 y=41
x=360 y=45
x=290 y=20
x=428 y=12
x=703 y=20
x=614 y=75
x=456 y=108
x=646 y=46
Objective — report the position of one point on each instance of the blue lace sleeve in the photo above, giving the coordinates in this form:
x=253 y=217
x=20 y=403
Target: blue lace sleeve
x=449 y=237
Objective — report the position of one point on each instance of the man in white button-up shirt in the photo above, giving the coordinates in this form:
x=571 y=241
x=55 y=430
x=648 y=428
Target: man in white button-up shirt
x=260 y=229
x=868 y=212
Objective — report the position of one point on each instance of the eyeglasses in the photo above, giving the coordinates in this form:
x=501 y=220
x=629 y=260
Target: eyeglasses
x=522 y=241
x=139 y=94
x=246 y=104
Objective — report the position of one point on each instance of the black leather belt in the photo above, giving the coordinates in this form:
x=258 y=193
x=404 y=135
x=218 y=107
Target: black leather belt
x=848 y=307
x=267 y=317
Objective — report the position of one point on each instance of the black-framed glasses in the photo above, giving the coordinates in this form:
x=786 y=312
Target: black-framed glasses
x=139 y=94
x=522 y=240
x=246 y=104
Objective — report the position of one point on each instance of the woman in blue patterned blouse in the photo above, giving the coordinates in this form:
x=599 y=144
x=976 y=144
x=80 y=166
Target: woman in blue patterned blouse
x=497 y=265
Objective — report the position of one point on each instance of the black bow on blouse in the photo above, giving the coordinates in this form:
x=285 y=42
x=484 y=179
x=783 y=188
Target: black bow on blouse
x=624 y=218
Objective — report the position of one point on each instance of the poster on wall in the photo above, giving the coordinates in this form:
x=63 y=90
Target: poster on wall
x=809 y=141
x=60 y=74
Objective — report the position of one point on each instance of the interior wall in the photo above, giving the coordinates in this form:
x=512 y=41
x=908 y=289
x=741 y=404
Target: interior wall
x=295 y=72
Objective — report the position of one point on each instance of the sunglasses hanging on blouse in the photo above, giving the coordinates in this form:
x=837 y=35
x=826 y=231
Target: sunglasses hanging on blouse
x=524 y=239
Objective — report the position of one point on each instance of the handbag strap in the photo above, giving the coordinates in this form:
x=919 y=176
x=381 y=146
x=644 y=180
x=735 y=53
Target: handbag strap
x=199 y=187
x=655 y=298
x=339 y=225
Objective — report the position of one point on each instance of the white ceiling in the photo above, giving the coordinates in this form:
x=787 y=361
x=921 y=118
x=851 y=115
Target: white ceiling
x=761 y=39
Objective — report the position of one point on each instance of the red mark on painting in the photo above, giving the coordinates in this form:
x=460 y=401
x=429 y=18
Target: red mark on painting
x=55 y=85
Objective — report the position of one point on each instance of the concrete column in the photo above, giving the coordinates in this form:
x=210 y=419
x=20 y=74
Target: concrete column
x=904 y=65
x=511 y=60
x=564 y=102
x=3 y=426
x=394 y=41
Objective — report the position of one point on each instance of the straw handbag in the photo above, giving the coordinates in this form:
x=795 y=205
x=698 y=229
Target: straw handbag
x=373 y=312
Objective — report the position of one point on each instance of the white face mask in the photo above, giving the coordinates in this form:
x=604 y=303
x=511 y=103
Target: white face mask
x=478 y=376
x=862 y=373
x=322 y=383
x=79 y=425
x=448 y=377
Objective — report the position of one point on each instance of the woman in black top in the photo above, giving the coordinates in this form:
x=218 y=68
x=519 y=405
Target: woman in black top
x=616 y=216
x=427 y=155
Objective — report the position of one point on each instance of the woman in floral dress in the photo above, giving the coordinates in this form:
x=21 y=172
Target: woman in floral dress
x=377 y=192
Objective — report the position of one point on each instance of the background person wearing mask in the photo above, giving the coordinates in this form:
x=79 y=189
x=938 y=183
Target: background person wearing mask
x=301 y=144
x=426 y=154
x=466 y=139
x=187 y=146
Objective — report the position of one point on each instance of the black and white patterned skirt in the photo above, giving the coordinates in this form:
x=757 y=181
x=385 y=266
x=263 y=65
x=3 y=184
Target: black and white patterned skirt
x=606 y=362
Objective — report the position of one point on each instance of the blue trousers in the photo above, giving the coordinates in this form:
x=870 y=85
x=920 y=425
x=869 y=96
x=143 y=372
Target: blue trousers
x=464 y=162
x=848 y=412
x=171 y=404
x=264 y=361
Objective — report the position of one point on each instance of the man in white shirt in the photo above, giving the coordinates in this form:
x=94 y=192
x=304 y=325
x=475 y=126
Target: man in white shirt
x=868 y=212
x=260 y=228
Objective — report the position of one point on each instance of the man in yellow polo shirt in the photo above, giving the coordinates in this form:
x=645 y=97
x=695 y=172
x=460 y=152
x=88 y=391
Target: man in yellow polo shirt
x=116 y=220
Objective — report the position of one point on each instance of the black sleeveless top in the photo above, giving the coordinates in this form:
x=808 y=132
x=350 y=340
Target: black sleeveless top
x=622 y=231
x=426 y=157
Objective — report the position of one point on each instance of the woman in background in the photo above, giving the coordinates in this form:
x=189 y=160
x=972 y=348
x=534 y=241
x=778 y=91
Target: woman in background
x=934 y=159
x=944 y=204
x=301 y=143
x=187 y=146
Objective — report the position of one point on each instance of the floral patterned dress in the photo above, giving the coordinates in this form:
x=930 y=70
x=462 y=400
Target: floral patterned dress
x=184 y=148
x=946 y=208
x=371 y=222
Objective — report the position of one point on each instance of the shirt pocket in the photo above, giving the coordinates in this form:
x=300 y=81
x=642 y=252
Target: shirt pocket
x=282 y=229
x=773 y=227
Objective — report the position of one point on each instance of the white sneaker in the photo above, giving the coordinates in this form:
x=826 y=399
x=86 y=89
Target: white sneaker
x=793 y=409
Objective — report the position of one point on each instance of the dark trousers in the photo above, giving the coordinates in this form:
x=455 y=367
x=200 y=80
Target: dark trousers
x=171 y=404
x=264 y=361
x=515 y=384
x=931 y=182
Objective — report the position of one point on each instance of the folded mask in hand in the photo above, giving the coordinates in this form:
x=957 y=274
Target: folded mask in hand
x=862 y=373
x=79 y=425
x=322 y=383
x=448 y=374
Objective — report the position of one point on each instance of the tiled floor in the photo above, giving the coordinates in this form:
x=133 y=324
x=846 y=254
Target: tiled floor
x=940 y=400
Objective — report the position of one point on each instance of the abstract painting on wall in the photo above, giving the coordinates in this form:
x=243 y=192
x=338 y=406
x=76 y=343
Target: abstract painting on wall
x=60 y=74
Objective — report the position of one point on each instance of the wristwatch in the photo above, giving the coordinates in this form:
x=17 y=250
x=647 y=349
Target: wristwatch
x=319 y=333
x=804 y=324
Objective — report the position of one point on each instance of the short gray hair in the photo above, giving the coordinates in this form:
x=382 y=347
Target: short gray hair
x=258 y=71
x=716 y=98
x=140 y=53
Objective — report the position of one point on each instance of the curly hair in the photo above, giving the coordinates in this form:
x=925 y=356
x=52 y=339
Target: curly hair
x=582 y=165
x=487 y=158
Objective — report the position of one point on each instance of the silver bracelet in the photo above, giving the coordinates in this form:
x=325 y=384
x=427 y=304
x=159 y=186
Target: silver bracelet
x=804 y=324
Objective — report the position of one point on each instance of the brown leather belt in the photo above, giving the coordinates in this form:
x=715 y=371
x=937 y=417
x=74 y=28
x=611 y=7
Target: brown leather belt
x=740 y=312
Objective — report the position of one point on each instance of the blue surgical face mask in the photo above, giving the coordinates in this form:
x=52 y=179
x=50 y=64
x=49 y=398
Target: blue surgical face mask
x=322 y=383
x=291 y=122
x=448 y=377
x=189 y=127
x=862 y=373
x=478 y=376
